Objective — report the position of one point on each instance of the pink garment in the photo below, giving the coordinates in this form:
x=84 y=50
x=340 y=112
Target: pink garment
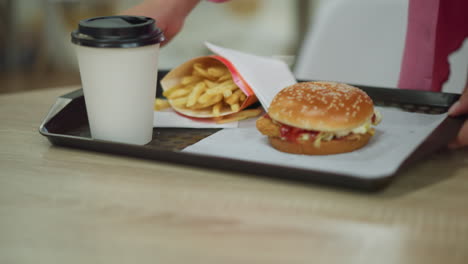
x=436 y=28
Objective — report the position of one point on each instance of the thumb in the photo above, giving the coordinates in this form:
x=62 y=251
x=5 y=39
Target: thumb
x=461 y=106
x=171 y=31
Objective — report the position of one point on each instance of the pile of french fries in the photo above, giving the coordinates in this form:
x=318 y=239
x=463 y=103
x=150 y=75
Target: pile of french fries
x=209 y=88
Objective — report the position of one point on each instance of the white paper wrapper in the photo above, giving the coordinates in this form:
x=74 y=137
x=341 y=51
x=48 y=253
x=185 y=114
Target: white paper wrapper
x=266 y=76
x=399 y=134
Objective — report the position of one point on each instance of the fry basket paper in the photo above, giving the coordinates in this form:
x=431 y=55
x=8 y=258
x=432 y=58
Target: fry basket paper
x=175 y=76
x=259 y=78
x=396 y=137
x=170 y=118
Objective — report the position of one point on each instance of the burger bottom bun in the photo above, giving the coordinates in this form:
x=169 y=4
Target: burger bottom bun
x=343 y=145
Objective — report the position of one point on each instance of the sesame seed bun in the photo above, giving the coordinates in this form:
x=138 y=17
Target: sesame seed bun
x=322 y=106
x=343 y=145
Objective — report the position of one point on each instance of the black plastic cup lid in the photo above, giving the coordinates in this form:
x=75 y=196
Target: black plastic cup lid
x=117 y=32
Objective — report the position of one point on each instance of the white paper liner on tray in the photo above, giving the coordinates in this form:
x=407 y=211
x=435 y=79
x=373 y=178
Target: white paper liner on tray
x=399 y=134
x=169 y=118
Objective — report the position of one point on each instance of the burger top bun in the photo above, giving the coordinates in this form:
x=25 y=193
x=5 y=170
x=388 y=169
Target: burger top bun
x=321 y=106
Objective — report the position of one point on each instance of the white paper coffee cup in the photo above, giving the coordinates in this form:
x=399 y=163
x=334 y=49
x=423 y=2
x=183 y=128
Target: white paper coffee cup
x=118 y=62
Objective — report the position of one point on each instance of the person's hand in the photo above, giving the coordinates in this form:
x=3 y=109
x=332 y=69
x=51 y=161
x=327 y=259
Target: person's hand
x=169 y=15
x=457 y=109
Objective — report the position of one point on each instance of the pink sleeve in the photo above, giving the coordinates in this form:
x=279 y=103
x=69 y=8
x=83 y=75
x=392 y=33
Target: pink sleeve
x=436 y=28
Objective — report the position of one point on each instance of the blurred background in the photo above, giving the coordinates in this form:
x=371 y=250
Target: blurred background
x=36 y=53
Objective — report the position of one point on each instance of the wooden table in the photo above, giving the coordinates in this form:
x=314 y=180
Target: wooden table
x=61 y=205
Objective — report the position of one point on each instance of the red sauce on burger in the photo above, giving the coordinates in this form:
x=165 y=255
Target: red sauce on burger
x=292 y=134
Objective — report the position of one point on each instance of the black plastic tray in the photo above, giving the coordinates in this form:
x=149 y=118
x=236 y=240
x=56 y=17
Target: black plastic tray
x=67 y=125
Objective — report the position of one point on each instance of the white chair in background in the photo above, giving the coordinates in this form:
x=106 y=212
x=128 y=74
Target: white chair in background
x=362 y=42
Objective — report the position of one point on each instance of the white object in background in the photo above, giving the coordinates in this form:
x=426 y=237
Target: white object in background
x=362 y=42
x=355 y=41
x=458 y=70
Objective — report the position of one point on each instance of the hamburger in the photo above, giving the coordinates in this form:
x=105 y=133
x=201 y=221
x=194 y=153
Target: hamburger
x=319 y=118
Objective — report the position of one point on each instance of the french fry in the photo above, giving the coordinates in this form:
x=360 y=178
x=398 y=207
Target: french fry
x=220 y=88
x=196 y=92
x=216 y=72
x=207 y=98
x=180 y=102
x=233 y=99
x=213 y=100
x=160 y=104
x=227 y=93
x=199 y=70
x=217 y=109
x=239 y=92
x=174 y=88
x=240 y=115
x=235 y=107
x=225 y=77
x=242 y=97
x=179 y=93
x=190 y=79
x=204 y=98
x=210 y=84
x=208 y=87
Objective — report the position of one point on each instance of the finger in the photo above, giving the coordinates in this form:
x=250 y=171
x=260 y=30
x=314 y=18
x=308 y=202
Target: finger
x=462 y=138
x=461 y=106
x=170 y=32
x=169 y=15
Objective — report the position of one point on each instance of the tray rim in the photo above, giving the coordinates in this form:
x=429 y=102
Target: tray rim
x=264 y=169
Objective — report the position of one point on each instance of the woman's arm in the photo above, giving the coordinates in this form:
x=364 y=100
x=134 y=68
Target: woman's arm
x=169 y=15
